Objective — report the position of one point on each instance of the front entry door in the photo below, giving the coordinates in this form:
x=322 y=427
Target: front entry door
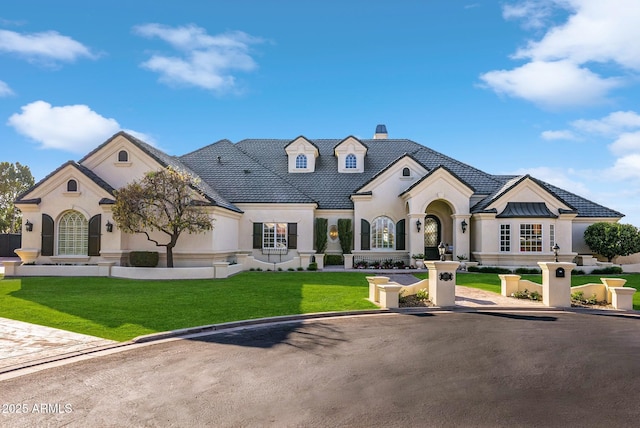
x=432 y=237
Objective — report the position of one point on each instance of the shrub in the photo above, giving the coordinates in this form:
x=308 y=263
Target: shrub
x=535 y=296
x=313 y=266
x=577 y=272
x=528 y=271
x=362 y=264
x=300 y=268
x=144 y=258
x=488 y=269
x=345 y=234
x=334 y=260
x=423 y=294
x=291 y=270
x=611 y=270
x=320 y=232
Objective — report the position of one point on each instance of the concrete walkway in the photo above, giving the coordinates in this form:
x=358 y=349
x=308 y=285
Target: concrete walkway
x=23 y=344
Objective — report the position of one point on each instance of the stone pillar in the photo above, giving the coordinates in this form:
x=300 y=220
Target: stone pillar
x=10 y=267
x=442 y=282
x=348 y=261
x=305 y=259
x=509 y=284
x=556 y=283
x=374 y=281
x=389 y=295
x=220 y=269
x=320 y=260
x=622 y=297
x=104 y=268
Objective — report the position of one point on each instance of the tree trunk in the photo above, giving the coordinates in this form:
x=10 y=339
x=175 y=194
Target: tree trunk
x=169 y=256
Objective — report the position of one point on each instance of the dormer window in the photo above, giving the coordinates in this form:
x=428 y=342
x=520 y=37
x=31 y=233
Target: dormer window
x=351 y=162
x=302 y=155
x=301 y=162
x=406 y=172
x=123 y=156
x=72 y=186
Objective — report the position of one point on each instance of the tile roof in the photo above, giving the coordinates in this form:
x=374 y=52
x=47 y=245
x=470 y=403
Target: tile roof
x=256 y=171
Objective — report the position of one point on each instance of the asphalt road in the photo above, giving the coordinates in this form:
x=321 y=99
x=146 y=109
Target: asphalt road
x=436 y=369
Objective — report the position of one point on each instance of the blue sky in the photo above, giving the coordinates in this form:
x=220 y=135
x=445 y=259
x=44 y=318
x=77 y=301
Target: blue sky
x=547 y=87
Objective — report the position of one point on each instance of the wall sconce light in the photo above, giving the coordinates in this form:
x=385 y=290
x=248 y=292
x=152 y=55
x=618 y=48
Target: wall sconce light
x=109 y=226
x=556 y=249
x=418 y=224
x=442 y=249
x=28 y=226
x=464 y=226
x=333 y=232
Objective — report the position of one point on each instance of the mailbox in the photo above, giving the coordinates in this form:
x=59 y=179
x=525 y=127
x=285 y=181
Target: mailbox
x=560 y=272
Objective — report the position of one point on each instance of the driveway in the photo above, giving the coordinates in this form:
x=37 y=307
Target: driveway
x=481 y=368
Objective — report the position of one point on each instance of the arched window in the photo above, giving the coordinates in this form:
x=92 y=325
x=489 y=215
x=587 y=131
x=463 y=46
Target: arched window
x=351 y=162
x=301 y=161
x=72 y=186
x=383 y=233
x=406 y=172
x=73 y=234
x=123 y=156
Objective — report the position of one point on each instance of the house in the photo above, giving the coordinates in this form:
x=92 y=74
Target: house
x=402 y=199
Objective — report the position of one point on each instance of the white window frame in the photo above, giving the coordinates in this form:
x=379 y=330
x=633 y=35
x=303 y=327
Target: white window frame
x=383 y=233
x=552 y=236
x=351 y=161
x=531 y=237
x=73 y=234
x=274 y=236
x=301 y=161
x=505 y=238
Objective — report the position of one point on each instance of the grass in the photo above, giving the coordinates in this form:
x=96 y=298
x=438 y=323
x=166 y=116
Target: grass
x=121 y=309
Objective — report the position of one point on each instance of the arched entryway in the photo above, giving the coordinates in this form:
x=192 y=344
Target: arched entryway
x=432 y=237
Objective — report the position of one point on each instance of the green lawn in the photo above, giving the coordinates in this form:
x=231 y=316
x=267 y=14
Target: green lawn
x=120 y=309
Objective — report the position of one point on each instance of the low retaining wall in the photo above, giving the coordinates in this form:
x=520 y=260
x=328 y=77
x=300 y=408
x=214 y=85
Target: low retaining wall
x=107 y=269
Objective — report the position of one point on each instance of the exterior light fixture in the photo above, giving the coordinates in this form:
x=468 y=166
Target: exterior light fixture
x=418 y=224
x=109 y=226
x=442 y=249
x=464 y=226
x=28 y=226
x=333 y=232
x=556 y=249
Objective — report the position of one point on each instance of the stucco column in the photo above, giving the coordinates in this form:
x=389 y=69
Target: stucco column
x=556 y=284
x=461 y=239
x=442 y=282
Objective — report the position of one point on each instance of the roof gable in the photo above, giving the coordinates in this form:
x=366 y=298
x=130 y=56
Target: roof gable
x=404 y=161
x=439 y=171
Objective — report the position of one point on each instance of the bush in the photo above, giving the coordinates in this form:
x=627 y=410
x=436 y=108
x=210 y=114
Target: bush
x=313 y=266
x=488 y=269
x=300 y=268
x=577 y=272
x=422 y=294
x=333 y=260
x=611 y=270
x=528 y=271
x=144 y=258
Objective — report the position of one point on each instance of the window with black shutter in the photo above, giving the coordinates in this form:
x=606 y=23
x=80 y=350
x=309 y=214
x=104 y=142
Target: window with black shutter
x=257 y=235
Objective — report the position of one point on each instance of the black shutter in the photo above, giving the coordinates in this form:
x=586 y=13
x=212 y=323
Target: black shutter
x=94 y=235
x=257 y=235
x=400 y=235
x=47 y=236
x=365 y=235
x=292 y=237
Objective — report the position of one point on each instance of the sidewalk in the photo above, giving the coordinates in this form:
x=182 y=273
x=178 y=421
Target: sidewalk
x=23 y=344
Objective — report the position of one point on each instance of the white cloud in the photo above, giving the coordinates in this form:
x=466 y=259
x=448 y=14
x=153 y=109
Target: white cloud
x=5 y=90
x=558 y=177
x=599 y=31
x=559 y=135
x=611 y=125
x=626 y=168
x=596 y=31
x=46 y=47
x=629 y=142
x=73 y=128
x=204 y=61
x=533 y=13
x=551 y=84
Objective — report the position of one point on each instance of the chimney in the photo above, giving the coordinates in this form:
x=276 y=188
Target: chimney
x=381 y=133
